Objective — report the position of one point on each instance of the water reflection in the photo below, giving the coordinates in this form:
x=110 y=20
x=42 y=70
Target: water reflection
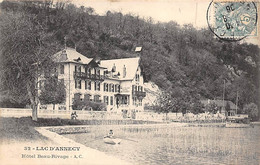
x=177 y=145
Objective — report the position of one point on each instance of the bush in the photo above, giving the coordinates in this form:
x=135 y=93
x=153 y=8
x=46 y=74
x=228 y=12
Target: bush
x=88 y=105
x=97 y=106
x=78 y=105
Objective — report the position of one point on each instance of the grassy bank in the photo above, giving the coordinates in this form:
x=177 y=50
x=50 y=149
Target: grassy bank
x=23 y=128
x=19 y=129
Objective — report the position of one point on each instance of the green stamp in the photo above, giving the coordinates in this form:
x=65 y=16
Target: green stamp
x=232 y=21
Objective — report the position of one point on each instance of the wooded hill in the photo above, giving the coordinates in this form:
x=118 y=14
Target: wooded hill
x=189 y=62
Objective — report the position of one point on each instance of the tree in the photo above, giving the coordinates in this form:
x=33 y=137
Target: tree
x=252 y=110
x=197 y=106
x=53 y=92
x=212 y=107
x=26 y=50
x=165 y=103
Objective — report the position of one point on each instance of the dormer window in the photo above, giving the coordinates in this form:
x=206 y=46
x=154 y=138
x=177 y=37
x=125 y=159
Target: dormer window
x=137 y=77
x=78 y=59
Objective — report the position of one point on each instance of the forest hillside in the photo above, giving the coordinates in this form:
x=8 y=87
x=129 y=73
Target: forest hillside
x=189 y=62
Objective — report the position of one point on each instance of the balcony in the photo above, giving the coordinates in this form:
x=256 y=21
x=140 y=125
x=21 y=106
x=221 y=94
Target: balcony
x=139 y=94
x=84 y=76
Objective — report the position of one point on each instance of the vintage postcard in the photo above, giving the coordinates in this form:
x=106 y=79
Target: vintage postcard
x=117 y=82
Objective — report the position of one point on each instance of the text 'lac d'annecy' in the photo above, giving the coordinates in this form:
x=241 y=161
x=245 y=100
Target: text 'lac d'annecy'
x=57 y=148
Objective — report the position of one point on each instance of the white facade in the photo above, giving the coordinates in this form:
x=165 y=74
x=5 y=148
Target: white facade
x=118 y=83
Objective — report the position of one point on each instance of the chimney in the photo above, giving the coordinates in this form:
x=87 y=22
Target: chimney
x=114 y=68
x=124 y=71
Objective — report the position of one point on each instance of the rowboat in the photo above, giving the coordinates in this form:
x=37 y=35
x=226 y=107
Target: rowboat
x=111 y=140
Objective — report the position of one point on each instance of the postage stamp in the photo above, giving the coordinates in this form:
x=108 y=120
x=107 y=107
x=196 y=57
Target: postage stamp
x=232 y=21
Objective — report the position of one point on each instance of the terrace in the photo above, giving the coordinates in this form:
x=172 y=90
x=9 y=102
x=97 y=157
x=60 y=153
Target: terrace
x=85 y=76
x=139 y=94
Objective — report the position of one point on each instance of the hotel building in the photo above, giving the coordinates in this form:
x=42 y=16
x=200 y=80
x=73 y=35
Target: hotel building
x=118 y=82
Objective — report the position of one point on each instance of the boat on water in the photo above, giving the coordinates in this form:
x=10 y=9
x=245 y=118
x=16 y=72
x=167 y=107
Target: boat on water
x=237 y=125
x=111 y=140
x=238 y=122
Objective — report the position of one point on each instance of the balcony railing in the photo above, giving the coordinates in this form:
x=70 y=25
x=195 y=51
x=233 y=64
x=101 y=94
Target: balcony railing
x=84 y=76
x=139 y=93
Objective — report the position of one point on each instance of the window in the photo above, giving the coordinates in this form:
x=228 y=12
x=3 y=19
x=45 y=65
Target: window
x=89 y=85
x=97 y=86
x=96 y=98
x=134 y=100
x=141 y=88
x=112 y=88
x=105 y=87
x=89 y=71
x=78 y=84
x=98 y=72
x=77 y=68
x=61 y=69
x=135 y=88
x=119 y=88
x=140 y=102
x=116 y=88
x=86 y=70
x=137 y=77
x=111 y=100
x=106 y=99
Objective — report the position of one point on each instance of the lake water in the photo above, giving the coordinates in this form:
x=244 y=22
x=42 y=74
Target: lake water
x=168 y=144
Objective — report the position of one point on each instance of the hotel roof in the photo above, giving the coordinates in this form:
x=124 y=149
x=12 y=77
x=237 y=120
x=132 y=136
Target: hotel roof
x=71 y=55
x=117 y=65
x=130 y=64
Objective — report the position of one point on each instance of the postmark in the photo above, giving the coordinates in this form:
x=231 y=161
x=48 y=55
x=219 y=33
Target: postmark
x=232 y=21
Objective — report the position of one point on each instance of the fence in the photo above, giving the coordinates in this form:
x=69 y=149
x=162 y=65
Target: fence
x=105 y=115
x=18 y=112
